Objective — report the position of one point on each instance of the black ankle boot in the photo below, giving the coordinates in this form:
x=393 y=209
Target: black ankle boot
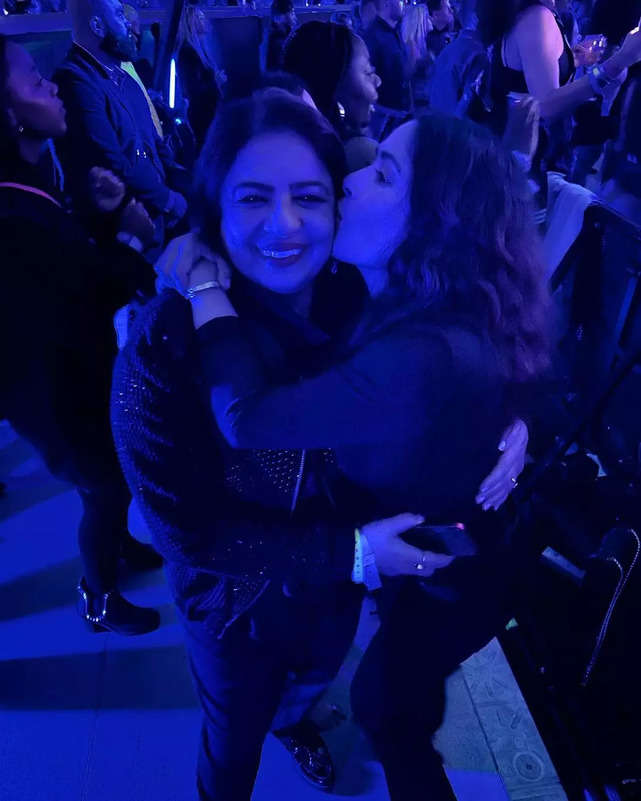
x=111 y=612
x=138 y=555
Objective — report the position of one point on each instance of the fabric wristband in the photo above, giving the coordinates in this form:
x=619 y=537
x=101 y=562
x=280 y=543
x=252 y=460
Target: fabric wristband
x=365 y=570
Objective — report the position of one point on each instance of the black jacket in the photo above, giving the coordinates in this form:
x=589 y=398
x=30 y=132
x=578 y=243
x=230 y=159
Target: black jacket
x=109 y=125
x=58 y=296
x=226 y=521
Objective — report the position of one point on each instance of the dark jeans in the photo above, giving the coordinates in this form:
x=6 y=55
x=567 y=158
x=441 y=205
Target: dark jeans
x=398 y=693
x=282 y=647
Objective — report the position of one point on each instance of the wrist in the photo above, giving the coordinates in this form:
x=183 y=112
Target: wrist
x=614 y=66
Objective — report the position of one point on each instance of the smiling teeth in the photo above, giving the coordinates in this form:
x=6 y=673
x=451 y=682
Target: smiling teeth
x=280 y=254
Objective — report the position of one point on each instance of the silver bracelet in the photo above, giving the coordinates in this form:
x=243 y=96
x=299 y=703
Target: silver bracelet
x=194 y=290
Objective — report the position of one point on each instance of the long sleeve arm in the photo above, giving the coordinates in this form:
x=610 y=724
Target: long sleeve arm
x=386 y=391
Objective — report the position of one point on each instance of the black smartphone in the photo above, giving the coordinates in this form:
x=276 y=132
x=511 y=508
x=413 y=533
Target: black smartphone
x=451 y=540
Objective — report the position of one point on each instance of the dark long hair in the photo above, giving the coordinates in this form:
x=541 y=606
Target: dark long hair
x=270 y=111
x=498 y=17
x=471 y=247
x=320 y=53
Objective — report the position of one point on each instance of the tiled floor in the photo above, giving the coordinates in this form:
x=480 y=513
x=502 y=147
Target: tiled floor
x=88 y=717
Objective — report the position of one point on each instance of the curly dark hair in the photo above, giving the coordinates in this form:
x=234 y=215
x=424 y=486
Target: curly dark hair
x=471 y=246
x=269 y=111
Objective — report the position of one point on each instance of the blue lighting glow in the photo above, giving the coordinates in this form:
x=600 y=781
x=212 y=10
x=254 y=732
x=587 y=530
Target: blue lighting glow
x=172 y=83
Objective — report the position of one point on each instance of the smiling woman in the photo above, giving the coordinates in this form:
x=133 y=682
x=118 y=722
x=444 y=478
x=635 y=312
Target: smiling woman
x=278 y=213
x=269 y=177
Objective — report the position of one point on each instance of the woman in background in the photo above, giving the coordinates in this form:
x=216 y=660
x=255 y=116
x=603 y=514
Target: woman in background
x=58 y=296
x=200 y=77
x=415 y=26
x=335 y=66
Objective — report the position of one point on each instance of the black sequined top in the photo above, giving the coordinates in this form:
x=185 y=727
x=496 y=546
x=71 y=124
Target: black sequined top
x=227 y=522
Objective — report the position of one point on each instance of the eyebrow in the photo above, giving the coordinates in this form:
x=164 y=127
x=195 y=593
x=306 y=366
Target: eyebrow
x=383 y=154
x=296 y=186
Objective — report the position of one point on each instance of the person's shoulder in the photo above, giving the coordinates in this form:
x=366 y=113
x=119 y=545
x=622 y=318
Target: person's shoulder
x=534 y=20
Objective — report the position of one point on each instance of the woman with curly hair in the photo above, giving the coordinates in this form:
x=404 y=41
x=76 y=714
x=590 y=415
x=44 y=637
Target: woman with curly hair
x=440 y=226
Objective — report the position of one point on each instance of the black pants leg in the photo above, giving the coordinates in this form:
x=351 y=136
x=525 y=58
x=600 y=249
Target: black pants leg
x=398 y=693
x=239 y=681
x=241 y=678
x=102 y=527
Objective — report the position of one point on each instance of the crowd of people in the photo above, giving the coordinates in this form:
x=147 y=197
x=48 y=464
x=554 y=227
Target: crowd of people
x=333 y=319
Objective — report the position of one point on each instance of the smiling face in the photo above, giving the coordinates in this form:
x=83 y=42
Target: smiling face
x=33 y=101
x=375 y=211
x=278 y=213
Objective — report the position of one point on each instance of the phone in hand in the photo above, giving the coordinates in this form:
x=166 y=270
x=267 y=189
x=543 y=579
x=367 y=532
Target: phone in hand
x=453 y=540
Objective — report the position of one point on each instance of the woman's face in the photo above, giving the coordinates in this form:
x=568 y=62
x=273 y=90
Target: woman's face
x=375 y=210
x=278 y=213
x=359 y=88
x=33 y=101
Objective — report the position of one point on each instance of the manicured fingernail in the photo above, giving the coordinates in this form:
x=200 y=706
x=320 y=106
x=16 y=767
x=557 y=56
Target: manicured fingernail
x=486 y=506
x=480 y=499
x=502 y=445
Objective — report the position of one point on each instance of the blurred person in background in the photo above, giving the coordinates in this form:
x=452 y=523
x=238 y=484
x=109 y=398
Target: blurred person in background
x=282 y=23
x=58 y=296
x=365 y=13
x=532 y=55
x=334 y=64
x=201 y=79
x=109 y=120
x=390 y=59
x=415 y=27
x=443 y=26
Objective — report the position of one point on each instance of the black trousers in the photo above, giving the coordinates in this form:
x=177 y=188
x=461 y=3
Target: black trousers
x=398 y=693
x=283 y=652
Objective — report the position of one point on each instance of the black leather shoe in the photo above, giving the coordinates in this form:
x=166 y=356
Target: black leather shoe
x=310 y=753
x=111 y=612
x=138 y=555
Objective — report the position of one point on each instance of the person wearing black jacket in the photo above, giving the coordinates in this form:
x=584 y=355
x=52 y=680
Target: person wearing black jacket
x=258 y=544
x=59 y=295
x=109 y=122
x=412 y=406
